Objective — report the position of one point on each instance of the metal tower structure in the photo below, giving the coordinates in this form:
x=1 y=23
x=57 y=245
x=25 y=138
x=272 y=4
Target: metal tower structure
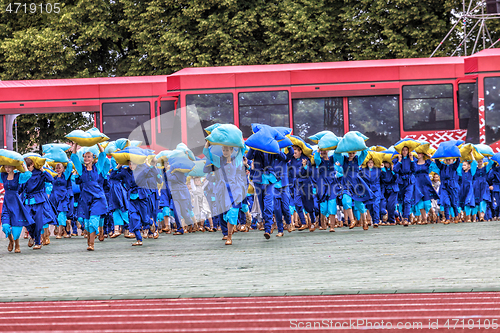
x=478 y=11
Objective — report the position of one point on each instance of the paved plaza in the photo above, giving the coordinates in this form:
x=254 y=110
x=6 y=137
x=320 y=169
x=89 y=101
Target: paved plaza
x=391 y=259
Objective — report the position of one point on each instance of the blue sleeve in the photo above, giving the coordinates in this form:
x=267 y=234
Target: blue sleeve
x=101 y=162
x=439 y=164
x=290 y=154
x=250 y=154
x=48 y=177
x=434 y=168
x=317 y=159
x=362 y=157
x=473 y=168
x=413 y=166
x=76 y=163
x=68 y=171
x=113 y=163
x=397 y=167
x=459 y=170
x=338 y=158
x=489 y=165
x=282 y=156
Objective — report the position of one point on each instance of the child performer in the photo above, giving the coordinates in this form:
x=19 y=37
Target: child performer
x=37 y=201
x=59 y=196
x=14 y=214
x=466 y=191
x=136 y=180
x=405 y=168
x=389 y=189
x=229 y=190
x=448 y=191
x=423 y=167
x=92 y=202
x=358 y=190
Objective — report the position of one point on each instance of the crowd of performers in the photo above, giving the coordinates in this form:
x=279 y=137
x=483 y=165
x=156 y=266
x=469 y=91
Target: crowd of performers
x=243 y=188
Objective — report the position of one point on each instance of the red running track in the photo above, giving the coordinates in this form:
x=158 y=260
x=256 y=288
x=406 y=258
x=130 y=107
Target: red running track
x=448 y=312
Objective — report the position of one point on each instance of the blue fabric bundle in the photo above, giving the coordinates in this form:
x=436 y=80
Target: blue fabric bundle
x=38 y=160
x=182 y=147
x=484 y=150
x=264 y=140
x=351 y=142
x=198 y=169
x=12 y=158
x=306 y=148
x=122 y=143
x=316 y=137
x=50 y=146
x=135 y=154
x=447 y=149
x=111 y=148
x=183 y=165
x=87 y=138
x=329 y=141
x=496 y=158
x=57 y=155
x=225 y=135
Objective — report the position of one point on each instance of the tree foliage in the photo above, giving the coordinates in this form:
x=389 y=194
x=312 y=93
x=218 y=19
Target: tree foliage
x=91 y=38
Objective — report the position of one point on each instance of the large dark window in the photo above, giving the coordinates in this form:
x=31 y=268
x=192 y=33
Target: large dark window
x=428 y=107
x=312 y=115
x=467 y=110
x=170 y=125
x=120 y=119
x=265 y=107
x=377 y=117
x=204 y=110
x=492 y=108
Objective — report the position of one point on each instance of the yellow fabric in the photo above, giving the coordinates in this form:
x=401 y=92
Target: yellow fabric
x=10 y=161
x=87 y=142
x=18 y=168
x=305 y=150
x=411 y=144
x=123 y=158
x=378 y=148
x=423 y=149
x=38 y=162
x=53 y=173
x=377 y=158
x=251 y=189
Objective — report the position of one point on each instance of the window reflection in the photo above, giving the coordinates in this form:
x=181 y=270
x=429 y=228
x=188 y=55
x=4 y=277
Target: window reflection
x=120 y=119
x=265 y=107
x=204 y=110
x=428 y=107
x=312 y=115
x=492 y=108
x=377 y=117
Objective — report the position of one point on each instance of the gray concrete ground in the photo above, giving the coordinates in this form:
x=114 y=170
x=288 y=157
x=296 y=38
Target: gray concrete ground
x=427 y=258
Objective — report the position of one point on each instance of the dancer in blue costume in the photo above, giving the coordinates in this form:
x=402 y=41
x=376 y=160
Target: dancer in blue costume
x=423 y=168
x=92 y=198
x=230 y=185
x=329 y=187
x=263 y=176
x=389 y=190
x=60 y=197
x=136 y=180
x=299 y=179
x=181 y=199
x=482 y=192
x=409 y=195
x=282 y=193
x=371 y=176
x=36 y=201
x=466 y=192
x=357 y=190
x=14 y=215
x=448 y=191
x=493 y=179
x=165 y=203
